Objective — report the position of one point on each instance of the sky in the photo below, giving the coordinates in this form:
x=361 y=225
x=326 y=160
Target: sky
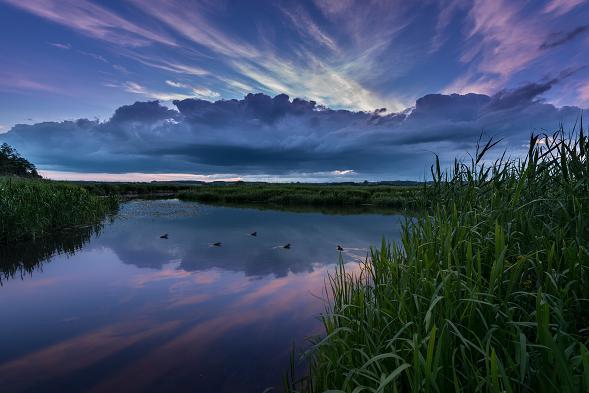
x=323 y=90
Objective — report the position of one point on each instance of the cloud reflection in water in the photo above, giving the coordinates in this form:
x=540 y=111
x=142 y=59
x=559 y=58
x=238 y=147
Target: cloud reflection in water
x=132 y=312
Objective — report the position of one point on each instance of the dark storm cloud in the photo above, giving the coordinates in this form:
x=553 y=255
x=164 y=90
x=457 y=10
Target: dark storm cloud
x=150 y=111
x=260 y=134
x=254 y=107
x=522 y=96
x=561 y=38
x=453 y=107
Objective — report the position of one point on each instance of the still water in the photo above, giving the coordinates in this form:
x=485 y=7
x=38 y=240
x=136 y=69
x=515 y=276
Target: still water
x=121 y=310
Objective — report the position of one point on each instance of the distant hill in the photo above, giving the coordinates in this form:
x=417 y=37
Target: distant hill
x=12 y=164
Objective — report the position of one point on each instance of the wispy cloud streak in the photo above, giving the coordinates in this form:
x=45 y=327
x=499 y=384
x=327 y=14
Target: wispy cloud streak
x=93 y=20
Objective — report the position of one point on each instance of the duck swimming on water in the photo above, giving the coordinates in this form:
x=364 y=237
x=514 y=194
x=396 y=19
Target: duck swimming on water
x=254 y=234
x=287 y=246
x=217 y=244
x=340 y=248
x=164 y=236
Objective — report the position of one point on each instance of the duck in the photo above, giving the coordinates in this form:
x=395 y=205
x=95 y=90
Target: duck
x=287 y=246
x=340 y=248
x=164 y=236
x=217 y=244
x=254 y=234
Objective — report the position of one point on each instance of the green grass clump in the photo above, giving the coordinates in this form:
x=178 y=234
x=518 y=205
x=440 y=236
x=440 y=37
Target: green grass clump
x=488 y=290
x=34 y=208
x=304 y=195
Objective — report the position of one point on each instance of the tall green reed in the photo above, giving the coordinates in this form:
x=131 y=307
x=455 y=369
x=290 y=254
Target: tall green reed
x=487 y=291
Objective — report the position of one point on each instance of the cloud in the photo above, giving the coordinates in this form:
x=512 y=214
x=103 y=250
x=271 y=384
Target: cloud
x=313 y=77
x=340 y=53
x=15 y=82
x=93 y=20
x=200 y=92
x=504 y=43
x=272 y=137
x=120 y=68
x=305 y=26
x=203 y=92
x=190 y=23
x=133 y=177
x=176 y=84
x=522 y=96
x=583 y=90
x=145 y=112
x=95 y=56
x=136 y=88
x=561 y=38
x=59 y=45
x=561 y=7
x=343 y=172
x=502 y=40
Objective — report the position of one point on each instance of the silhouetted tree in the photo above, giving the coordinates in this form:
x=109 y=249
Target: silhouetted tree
x=11 y=163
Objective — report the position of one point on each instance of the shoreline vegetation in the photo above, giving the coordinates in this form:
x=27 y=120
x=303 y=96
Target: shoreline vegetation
x=488 y=290
x=301 y=195
x=34 y=208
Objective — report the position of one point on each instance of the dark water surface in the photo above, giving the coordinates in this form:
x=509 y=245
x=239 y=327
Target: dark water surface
x=121 y=310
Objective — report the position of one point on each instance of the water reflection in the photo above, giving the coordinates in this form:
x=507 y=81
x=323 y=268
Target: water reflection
x=192 y=228
x=23 y=258
x=133 y=312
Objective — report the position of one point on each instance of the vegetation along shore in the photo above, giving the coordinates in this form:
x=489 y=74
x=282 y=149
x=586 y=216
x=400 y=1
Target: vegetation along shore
x=285 y=195
x=31 y=207
x=488 y=291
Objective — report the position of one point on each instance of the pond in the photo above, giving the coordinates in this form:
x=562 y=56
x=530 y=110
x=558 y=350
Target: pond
x=120 y=309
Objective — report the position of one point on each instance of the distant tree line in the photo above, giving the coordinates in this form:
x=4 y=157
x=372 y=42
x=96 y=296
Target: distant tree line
x=12 y=164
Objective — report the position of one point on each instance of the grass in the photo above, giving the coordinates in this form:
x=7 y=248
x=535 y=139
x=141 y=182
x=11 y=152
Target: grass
x=132 y=188
x=36 y=208
x=488 y=290
x=293 y=195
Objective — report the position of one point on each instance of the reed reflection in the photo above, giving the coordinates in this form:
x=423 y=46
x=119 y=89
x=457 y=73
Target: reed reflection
x=21 y=259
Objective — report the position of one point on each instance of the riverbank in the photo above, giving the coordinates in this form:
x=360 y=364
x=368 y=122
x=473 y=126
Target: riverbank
x=301 y=195
x=34 y=208
x=487 y=292
x=397 y=195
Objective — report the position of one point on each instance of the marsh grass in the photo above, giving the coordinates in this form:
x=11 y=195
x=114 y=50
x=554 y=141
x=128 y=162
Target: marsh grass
x=34 y=208
x=488 y=290
x=293 y=195
x=131 y=189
